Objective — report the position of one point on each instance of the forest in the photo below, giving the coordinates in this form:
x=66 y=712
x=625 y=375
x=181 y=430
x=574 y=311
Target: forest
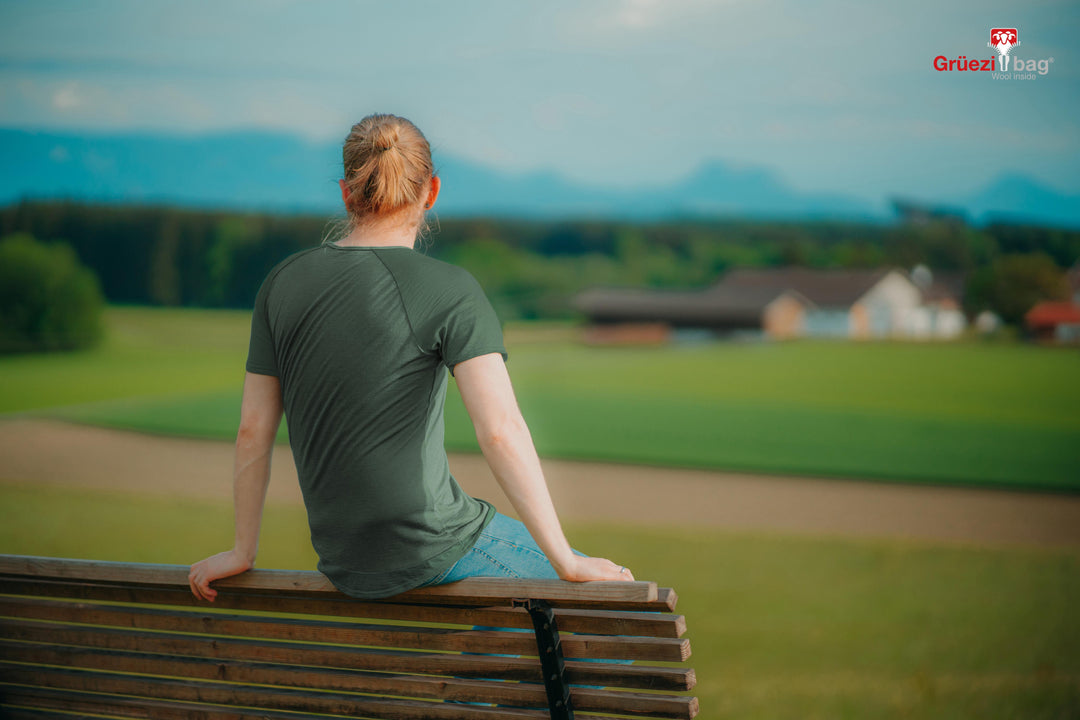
x=147 y=255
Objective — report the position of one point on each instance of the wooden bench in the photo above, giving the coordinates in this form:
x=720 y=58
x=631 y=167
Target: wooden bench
x=108 y=639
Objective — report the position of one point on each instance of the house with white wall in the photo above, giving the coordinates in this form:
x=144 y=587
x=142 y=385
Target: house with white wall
x=881 y=303
x=786 y=303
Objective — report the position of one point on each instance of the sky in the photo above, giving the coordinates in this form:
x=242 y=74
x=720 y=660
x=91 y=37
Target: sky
x=833 y=96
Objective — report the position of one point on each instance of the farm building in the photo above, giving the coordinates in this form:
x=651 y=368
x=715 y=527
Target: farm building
x=1054 y=321
x=940 y=315
x=784 y=303
x=637 y=315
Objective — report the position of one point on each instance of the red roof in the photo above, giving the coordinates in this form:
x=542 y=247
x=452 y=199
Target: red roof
x=1052 y=313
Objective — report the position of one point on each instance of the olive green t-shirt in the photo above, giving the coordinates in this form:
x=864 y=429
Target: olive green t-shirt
x=361 y=339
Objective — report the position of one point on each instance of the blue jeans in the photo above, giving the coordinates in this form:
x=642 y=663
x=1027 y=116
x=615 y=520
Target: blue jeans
x=504 y=549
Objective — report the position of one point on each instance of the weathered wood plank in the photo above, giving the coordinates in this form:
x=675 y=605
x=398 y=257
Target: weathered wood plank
x=7 y=712
x=57 y=704
x=159 y=709
x=374 y=659
x=516 y=694
x=666 y=599
x=472 y=591
x=345 y=633
x=197 y=691
x=595 y=622
x=73 y=701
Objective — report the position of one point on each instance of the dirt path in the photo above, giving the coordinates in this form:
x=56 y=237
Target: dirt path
x=75 y=455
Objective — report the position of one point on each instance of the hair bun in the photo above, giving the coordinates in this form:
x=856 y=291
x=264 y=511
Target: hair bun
x=384 y=137
x=382 y=182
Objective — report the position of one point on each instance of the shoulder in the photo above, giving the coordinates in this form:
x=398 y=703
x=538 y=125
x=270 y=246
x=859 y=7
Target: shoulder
x=282 y=266
x=414 y=271
x=296 y=256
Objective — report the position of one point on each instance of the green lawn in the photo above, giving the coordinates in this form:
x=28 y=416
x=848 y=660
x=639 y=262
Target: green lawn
x=957 y=413
x=781 y=627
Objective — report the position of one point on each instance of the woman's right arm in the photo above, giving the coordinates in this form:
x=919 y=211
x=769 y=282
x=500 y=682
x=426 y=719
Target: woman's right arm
x=508 y=448
x=260 y=417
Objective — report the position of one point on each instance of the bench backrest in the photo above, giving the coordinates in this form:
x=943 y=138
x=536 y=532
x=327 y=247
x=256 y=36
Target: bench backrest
x=130 y=640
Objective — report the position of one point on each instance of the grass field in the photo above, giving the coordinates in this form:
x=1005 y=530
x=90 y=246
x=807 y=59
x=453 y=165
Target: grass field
x=780 y=627
x=959 y=413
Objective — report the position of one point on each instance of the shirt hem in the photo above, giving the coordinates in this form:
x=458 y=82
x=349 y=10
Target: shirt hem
x=354 y=586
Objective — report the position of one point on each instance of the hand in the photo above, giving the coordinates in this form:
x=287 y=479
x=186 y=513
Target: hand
x=213 y=568
x=595 y=568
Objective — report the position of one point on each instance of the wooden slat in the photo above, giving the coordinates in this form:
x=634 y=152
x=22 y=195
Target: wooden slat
x=346 y=633
x=472 y=591
x=115 y=706
x=666 y=599
x=229 y=694
x=481 y=590
x=595 y=622
x=397 y=661
x=260 y=673
x=51 y=703
x=517 y=694
x=158 y=709
x=8 y=712
x=196 y=691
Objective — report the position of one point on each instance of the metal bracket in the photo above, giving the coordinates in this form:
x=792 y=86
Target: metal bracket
x=551 y=658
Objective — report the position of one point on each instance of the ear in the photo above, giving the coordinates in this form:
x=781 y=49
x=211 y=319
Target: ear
x=344 y=191
x=433 y=193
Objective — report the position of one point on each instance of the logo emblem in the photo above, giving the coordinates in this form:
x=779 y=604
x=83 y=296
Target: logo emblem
x=1003 y=40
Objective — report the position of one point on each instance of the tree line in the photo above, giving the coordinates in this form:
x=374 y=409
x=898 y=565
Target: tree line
x=530 y=269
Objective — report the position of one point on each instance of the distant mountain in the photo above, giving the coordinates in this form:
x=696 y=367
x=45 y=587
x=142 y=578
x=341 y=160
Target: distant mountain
x=285 y=173
x=232 y=170
x=1018 y=198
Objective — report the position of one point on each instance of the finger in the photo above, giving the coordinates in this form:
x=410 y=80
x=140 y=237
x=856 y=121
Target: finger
x=200 y=583
x=193 y=580
x=207 y=592
x=195 y=590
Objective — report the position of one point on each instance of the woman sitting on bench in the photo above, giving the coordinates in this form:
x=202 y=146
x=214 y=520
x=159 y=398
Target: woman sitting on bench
x=352 y=341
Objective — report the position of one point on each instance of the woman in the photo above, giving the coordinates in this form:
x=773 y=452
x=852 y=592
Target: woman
x=352 y=340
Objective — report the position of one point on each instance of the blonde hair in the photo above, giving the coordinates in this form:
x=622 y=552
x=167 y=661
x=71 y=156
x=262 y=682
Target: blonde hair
x=387 y=162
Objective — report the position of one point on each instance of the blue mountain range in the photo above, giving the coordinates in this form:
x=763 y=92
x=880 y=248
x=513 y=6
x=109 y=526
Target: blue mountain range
x=285 y=173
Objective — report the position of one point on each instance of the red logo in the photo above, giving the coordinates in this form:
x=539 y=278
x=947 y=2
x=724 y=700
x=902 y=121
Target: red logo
x=1003 y=40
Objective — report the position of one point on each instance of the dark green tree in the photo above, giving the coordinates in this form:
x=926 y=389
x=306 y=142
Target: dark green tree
x=48 y=300
x=1013 y=284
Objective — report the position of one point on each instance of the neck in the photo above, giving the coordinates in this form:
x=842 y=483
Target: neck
x=376 y=233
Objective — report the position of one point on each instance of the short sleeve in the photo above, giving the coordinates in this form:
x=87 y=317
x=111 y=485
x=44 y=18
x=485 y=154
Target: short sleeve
x=261 y=357
x=471 y=327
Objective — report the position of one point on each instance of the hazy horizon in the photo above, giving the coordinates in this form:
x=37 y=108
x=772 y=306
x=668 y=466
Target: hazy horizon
x=837 y=98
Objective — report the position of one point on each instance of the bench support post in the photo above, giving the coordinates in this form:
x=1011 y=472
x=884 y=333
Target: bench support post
x=551 y=658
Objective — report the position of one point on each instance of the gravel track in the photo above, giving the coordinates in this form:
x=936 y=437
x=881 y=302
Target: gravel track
x=64 y=454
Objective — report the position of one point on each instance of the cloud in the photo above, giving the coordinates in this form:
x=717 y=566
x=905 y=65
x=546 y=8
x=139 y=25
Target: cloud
x=67 y=97
x=638 y=14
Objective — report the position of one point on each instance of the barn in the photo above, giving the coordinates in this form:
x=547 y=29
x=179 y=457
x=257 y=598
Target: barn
x=781 y=303
x=632 y=314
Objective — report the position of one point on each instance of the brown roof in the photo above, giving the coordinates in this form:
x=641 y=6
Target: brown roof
x=697 y=308
x=1051 y=314
x=826 y=288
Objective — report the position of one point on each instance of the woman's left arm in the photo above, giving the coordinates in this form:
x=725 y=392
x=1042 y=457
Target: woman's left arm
x=260 y=417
